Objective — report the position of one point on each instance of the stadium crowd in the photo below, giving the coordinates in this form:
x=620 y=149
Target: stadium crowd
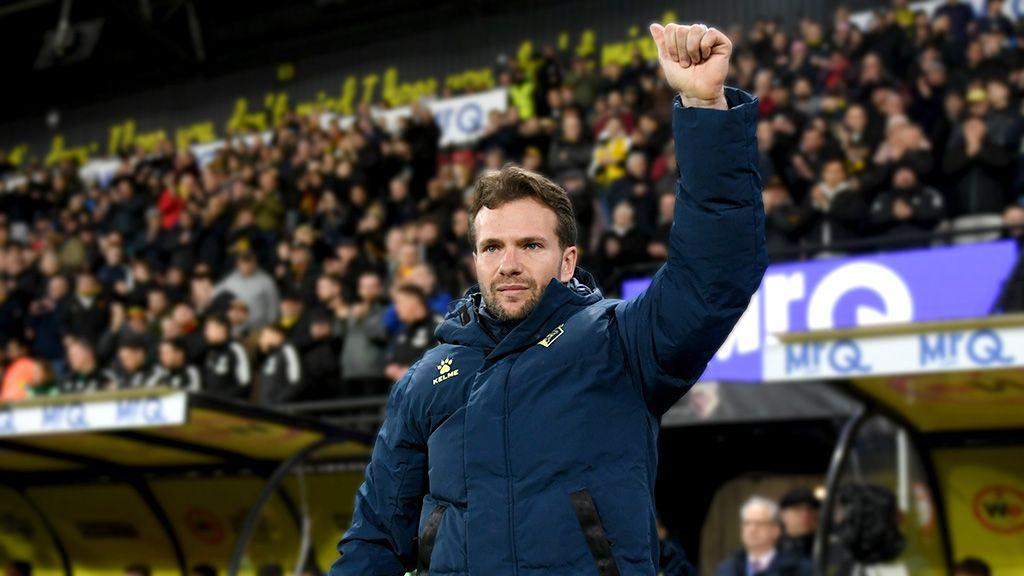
x=317 y=263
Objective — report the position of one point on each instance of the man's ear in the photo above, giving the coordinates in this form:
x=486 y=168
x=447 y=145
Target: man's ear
x=568 y=265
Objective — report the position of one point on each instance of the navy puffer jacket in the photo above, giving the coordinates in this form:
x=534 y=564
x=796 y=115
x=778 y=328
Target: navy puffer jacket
x=536 y=454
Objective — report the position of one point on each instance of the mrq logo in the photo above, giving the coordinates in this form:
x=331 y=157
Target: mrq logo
x=897 y=287
x=983 y=347
x=838 y=357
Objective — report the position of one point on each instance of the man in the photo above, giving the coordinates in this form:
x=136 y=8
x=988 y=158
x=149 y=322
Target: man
x=173 y=370
x=417 y=334
x=799 y=515
x=760 y=533
x=909 y=211
x=87 y=314
x=280 y=378
x=130 y=370
x=364 y=340
x=254 y=287
x=85 y=376
x=321 y=357
x=540 y=408
x=226 y=368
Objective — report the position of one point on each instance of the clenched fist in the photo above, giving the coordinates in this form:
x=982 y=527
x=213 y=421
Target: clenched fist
x=695 y=60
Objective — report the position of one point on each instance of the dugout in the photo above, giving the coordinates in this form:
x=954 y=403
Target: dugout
x=939 y=426
x=171 y=479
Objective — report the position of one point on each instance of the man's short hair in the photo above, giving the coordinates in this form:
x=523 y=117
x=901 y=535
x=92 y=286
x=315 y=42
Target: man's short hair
x=497 y=188
x=768 y=503
x=413 y=291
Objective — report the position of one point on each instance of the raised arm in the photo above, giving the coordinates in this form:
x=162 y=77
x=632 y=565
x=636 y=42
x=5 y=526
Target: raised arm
x=382 y=539
x=716 y=253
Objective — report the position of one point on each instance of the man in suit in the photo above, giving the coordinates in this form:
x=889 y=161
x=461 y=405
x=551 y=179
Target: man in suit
x=760 y=532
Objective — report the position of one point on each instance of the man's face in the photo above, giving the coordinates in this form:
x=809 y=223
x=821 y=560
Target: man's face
x=170 y=357
x=799 y=520
x=215 y=332
x=369 y=287
x=516 y=256
x=131 y=358
x=760 y=531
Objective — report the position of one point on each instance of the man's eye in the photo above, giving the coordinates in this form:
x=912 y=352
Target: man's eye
x=491 y=249
x=533 y=246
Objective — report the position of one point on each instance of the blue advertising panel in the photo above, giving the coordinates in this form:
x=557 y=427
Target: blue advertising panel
x=887 y=288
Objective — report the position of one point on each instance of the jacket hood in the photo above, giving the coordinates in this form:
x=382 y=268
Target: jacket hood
x=462 y=326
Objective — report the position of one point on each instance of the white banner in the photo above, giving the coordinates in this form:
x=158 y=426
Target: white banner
x=461 y=119
x=938 y=351
x=80 y=415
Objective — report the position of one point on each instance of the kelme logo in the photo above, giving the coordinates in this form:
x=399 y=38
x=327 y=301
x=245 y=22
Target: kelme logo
x=444 y=369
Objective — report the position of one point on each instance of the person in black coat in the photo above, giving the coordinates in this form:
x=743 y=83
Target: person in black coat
x=227 y=371
x=834 y=210
x=909 y=211
x=760 y=533
x=799 y=510
x=87 y=314
x=173 y=369
x=280 y=379
x=321 y=357
x=408 y=345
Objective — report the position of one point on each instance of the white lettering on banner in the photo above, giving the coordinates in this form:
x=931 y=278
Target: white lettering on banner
x=461 y=119
x=93 y=414
x=780 y=292
x=880 y=355
x=899 y=307
x=982 y=347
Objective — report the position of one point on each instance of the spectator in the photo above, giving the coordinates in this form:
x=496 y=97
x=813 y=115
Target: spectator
x=672 y=561
x=254 y=287
x=622 y=245
x=87 y=314
x=321 y=356
x=636 y=189
x=907 y=212
x=131 y=370
x=418 y=333
x=226 y=368
x=422 y=275
x=45 y=321
x=280 y=378
x=570 y=151
x=364 y=340
x=799 y=515
x=173 y=368
x=833 y=211
x=84 y=374
x=959 y=16
x=976 y=163
x=783 y=219
x=19 y=371
x=760 y=534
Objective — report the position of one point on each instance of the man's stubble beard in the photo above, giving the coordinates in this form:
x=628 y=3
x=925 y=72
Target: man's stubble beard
x=502 y=314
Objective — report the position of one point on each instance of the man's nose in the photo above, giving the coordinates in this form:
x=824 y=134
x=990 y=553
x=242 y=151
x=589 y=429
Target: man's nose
x=510 y=264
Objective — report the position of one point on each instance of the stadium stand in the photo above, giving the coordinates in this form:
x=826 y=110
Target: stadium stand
x=904 y=133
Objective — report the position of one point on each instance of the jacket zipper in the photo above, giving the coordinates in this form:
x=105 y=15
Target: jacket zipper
x=508 y=476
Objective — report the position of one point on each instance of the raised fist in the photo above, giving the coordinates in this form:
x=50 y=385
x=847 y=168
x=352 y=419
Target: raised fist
x=695 y=60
